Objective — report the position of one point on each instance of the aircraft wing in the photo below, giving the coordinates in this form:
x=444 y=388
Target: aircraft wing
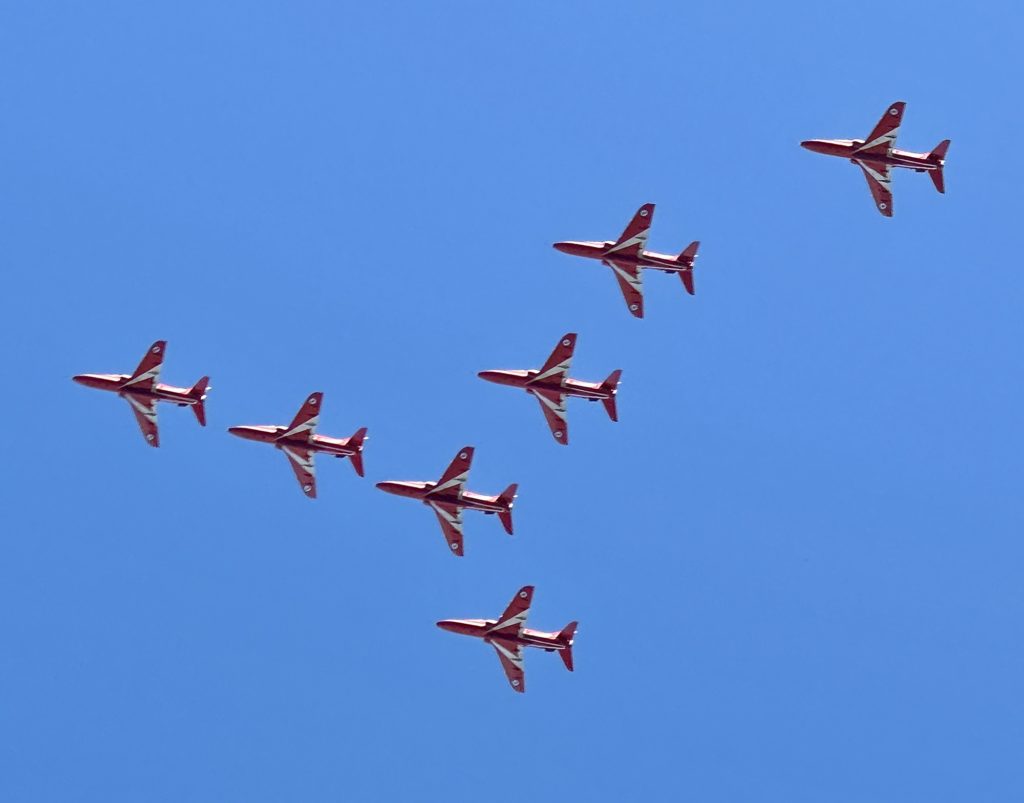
x=144 y=408
x=455 y=475
x=557 y=365
x=879 y=179
x=148 y=372
x=511 y=656
x=552 y=404
x=306 y=419
x=631 y=283
x=301 y=461
x=634 y=238
x=450 y=517
x=514 y=617
x=883 y=135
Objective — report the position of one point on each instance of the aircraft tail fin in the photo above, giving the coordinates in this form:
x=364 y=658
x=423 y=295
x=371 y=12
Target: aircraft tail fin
x=198 y=392
x=938 y=155
x=356 y=442
x=686 y=260
x=611 y=386
x=508 y=498
x=566 y=636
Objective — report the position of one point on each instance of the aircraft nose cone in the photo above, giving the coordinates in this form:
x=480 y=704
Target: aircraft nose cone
x=563 y=247
x=90 y=381
x=242 y=432
x=815 y=145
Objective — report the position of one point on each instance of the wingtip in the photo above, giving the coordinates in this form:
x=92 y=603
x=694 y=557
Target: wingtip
x=525 y=593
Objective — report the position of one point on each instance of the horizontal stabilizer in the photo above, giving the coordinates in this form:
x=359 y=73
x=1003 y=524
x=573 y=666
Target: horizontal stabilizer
x=611 y=387
x=689 y=253
x=566 y=636
x=938 y=153
x=938 y=156
x=356 y=442
x=508 y=498
x=687 y=277
x=686 y=260
x=198 y=392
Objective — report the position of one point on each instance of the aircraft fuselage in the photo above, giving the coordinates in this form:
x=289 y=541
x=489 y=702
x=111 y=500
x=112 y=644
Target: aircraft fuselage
x=423 y=491
x=114 y=383
x=647 y=259
x=478 y=628
x=847 y=149
x=272 y=434
x=593 y=391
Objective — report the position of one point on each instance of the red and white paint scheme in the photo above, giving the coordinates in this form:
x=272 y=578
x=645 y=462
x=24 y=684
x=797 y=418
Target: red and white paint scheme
x=876 y=156
x=508 y=636
x=448 y=497
x=300 y=443
x=626 y=257
x=551 y=386
x=142 y=391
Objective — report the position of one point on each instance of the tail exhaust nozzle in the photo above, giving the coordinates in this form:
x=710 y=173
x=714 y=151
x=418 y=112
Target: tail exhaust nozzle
x=611 y=387
x=566 y=636
x=938 y=157
x=507 y=498
x=356 y=442
x=198 y=394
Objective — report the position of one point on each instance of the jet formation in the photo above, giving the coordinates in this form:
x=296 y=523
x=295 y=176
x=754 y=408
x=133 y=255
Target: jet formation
x=550 y=385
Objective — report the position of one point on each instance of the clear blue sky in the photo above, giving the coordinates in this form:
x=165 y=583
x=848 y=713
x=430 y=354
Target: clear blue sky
x=796 y=560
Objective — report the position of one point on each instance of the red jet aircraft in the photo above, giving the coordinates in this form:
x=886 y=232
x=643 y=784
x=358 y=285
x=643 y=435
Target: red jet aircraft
x=300 y=443
x=508 y=636
x=876 y=155
x=551 y=386
x=448 y=497
x=626 y=257
x=142 y=391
